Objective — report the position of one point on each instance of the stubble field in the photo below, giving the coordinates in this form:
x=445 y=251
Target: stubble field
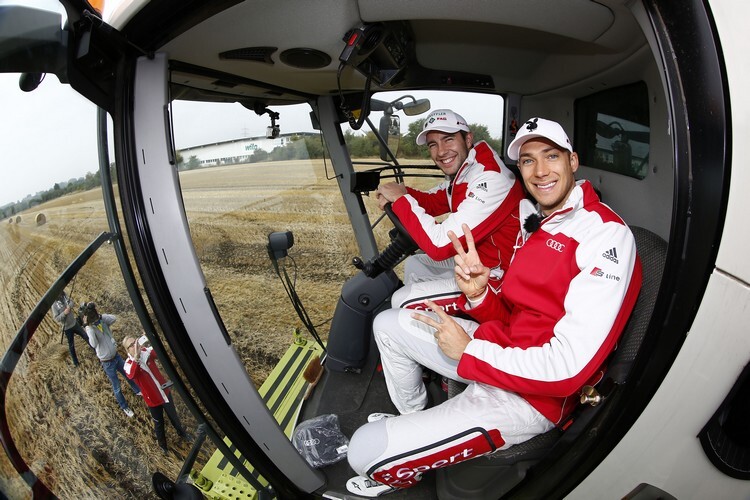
x=65 y=420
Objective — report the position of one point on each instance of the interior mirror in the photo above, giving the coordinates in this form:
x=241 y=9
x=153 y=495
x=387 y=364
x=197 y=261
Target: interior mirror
x=390 y=131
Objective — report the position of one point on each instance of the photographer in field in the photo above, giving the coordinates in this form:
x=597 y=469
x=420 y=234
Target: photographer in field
x=141 y=367
x=62 y=312
x=101 y=338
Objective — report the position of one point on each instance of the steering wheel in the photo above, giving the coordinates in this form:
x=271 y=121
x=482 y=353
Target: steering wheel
x=401 y=245
x=402 y=232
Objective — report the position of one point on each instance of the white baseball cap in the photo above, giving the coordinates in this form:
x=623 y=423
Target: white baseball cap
x=535 y=128
x=443 y=120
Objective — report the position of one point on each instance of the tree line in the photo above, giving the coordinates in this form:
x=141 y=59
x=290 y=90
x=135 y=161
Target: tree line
x=360 y=145
x=89 y=181
x=367 y=145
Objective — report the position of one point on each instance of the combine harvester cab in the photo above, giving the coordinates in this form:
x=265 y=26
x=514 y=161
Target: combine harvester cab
x=330 y=97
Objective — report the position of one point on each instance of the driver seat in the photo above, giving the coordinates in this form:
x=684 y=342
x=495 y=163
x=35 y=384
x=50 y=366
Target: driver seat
x=494 y=475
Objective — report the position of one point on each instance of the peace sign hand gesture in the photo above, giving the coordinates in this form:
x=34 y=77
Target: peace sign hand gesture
x=451 y=338
x=471 y=275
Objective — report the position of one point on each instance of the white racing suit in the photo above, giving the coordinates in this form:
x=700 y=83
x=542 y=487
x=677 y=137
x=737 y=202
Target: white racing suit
x=563 y=305
x=484 y=194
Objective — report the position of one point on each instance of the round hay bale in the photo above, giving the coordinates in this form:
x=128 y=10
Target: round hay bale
x=41 y=219
x=18 y=219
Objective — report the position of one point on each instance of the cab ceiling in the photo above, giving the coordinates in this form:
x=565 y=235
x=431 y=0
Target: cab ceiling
x=525 y=46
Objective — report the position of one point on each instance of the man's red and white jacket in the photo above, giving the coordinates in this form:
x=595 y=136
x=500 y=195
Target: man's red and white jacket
x=146 y=374
x=563 y=305
x=484 y=194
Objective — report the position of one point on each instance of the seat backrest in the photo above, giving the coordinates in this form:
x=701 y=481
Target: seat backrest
x=652 y=250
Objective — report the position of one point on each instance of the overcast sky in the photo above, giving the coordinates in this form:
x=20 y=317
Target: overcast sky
x=49 y=135
x=46 y=136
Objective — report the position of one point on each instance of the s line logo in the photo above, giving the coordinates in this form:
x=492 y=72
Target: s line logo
x=599 y=273
x=555 y=245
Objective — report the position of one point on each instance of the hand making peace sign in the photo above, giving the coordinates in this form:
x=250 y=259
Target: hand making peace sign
x=471 y=274
x=471 y=277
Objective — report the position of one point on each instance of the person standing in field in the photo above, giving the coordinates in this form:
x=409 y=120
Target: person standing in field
x=101 y=338
x=141 y=367
x=62 y=312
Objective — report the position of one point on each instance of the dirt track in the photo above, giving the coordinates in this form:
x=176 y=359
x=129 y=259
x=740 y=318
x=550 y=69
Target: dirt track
x=65 y=420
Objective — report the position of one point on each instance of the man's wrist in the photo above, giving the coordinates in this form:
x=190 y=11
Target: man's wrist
x=476 y=296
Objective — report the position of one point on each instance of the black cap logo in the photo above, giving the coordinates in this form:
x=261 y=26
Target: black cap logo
x=531 y=125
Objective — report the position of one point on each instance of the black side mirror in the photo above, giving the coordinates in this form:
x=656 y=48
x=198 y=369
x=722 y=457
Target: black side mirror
x=390 y=130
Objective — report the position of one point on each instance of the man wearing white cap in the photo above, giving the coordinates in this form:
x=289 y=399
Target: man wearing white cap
x=565 y=299
x=478 y=190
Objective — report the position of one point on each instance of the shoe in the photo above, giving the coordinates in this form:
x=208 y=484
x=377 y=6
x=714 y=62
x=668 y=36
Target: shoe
x=374 y=417
x=366 y=487
x=129 y=412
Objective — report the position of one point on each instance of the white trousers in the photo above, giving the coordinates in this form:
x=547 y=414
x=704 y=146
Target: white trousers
x=419 y=267
x=478 y=421
x=428 y=279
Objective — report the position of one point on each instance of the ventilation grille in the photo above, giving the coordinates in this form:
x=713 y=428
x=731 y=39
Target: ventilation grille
x=256 y=54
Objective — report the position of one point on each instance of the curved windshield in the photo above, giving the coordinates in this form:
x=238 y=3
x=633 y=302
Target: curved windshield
x=246 y=179
x=243 y=178
x=69 y=425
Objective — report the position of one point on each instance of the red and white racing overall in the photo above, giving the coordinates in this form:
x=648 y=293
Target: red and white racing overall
x=564 y=303
x=484 y=194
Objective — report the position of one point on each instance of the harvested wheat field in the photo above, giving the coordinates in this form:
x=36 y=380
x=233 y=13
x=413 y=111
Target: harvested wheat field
x=65 y=420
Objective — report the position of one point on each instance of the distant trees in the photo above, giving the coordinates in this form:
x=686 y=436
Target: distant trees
x=481 y=133
x=314 y=146
x=409 y=148
x=360 y=144
x=193 y=163
x=259 y=155
x=292 y=150
x=85 y=183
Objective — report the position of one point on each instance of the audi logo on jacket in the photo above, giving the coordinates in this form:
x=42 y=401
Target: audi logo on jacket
x=144 y=372
x=563 y=304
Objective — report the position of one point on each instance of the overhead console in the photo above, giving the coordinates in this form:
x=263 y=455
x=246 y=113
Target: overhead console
x=379 y=51
x=382 y=51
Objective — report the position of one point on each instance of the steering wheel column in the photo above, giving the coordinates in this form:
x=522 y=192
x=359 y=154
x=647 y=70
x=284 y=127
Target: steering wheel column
x=361 y=297
x=400 y=247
